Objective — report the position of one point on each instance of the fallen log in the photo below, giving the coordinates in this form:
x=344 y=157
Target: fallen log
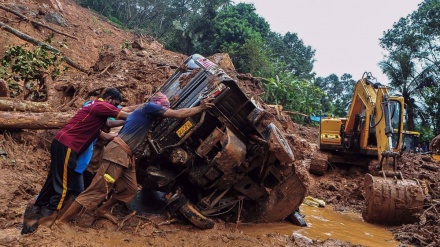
x=430 y=167
x=296 y=113
x=35 y=22
x=25 y=120
x=8 y=104
x=46 y=46
x=319 y=163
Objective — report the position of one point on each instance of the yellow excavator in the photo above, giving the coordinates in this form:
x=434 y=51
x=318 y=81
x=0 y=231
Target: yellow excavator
x=371 y=135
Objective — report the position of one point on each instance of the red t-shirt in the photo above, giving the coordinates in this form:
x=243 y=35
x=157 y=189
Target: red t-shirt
x=85 y=126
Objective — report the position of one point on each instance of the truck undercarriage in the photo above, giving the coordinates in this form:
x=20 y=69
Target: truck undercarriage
x=230 y=161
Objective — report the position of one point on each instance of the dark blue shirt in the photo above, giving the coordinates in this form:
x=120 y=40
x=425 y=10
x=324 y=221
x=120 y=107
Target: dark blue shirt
x=139 y=122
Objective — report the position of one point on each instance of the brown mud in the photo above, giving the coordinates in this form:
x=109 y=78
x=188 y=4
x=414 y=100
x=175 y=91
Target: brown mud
x=138 y=71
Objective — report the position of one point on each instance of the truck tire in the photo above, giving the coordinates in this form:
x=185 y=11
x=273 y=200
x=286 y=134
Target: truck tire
x=195 y=217
x=179 y=202
x=278 y=145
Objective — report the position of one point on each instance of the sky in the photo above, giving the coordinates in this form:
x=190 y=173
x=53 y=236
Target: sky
x=344 y=33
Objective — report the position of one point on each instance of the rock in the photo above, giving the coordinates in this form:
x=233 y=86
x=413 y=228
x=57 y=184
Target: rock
x=55 y=18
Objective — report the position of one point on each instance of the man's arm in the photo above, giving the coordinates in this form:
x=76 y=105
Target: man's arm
x=114 y=123
x=107 y=136
x=130 y=108
x=188 y=112
x=123 y=115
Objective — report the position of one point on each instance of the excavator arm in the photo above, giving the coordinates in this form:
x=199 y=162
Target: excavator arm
x=388 y=112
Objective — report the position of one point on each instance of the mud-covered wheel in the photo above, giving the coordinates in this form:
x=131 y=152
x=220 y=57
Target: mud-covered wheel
x=279 y=145
x=283 y=199
x=179 y=202
x=195 y=217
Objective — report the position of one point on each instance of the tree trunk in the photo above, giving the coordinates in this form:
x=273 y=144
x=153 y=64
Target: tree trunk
x=21 y=120
x=319 y=163
x=8 y=104
x=4 y=88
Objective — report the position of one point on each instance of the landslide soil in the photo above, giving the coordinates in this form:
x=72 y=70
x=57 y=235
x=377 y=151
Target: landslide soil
x=138 y=66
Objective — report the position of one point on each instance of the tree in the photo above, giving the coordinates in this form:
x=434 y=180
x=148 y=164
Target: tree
x=291 y=55
x=339 y=92
x=410 y=82
x=239 y=31
x=195 y=32
x=412 y=64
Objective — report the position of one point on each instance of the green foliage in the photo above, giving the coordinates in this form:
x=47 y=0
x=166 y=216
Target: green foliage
x=339 y=93
x=291 y=55
x=239 y=31
x=214 y=26
x=431 y=97
x=412 y=64
x=115 y=21
x=24 y=70
x=218 y=26
x=294 y=94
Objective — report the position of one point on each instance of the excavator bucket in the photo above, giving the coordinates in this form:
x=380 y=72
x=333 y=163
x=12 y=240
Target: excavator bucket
x=392 y=201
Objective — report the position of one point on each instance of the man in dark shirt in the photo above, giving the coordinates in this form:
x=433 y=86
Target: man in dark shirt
x=118 y=167
x=62 y=181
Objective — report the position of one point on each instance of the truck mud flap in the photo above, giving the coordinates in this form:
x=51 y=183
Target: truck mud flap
x=282 y=200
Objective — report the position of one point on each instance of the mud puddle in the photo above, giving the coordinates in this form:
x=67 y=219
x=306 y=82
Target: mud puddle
x=324 y=223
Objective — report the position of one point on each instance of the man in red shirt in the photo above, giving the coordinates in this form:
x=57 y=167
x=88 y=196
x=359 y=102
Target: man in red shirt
x=118 y=160
x=62 y=181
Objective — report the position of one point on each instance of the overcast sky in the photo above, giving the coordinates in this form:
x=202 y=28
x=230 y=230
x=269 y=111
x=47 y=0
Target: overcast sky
x=344 y=33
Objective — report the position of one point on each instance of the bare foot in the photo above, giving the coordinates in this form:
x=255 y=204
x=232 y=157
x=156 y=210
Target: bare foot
x=108 y=216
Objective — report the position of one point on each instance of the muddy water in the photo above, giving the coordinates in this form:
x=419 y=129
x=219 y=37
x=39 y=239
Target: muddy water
x=324 y=223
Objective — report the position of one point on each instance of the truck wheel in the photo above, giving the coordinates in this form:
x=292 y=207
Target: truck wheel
x=179 y=202
x=278 y=145
x=195 y=217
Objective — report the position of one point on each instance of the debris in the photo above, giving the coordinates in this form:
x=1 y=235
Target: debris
x=314 y=202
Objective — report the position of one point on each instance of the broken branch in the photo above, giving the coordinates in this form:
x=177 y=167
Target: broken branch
x=125 y=219
x=46 y=46
x=35 y=22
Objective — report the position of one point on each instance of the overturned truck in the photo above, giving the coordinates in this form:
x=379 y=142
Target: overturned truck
x=230 y=161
